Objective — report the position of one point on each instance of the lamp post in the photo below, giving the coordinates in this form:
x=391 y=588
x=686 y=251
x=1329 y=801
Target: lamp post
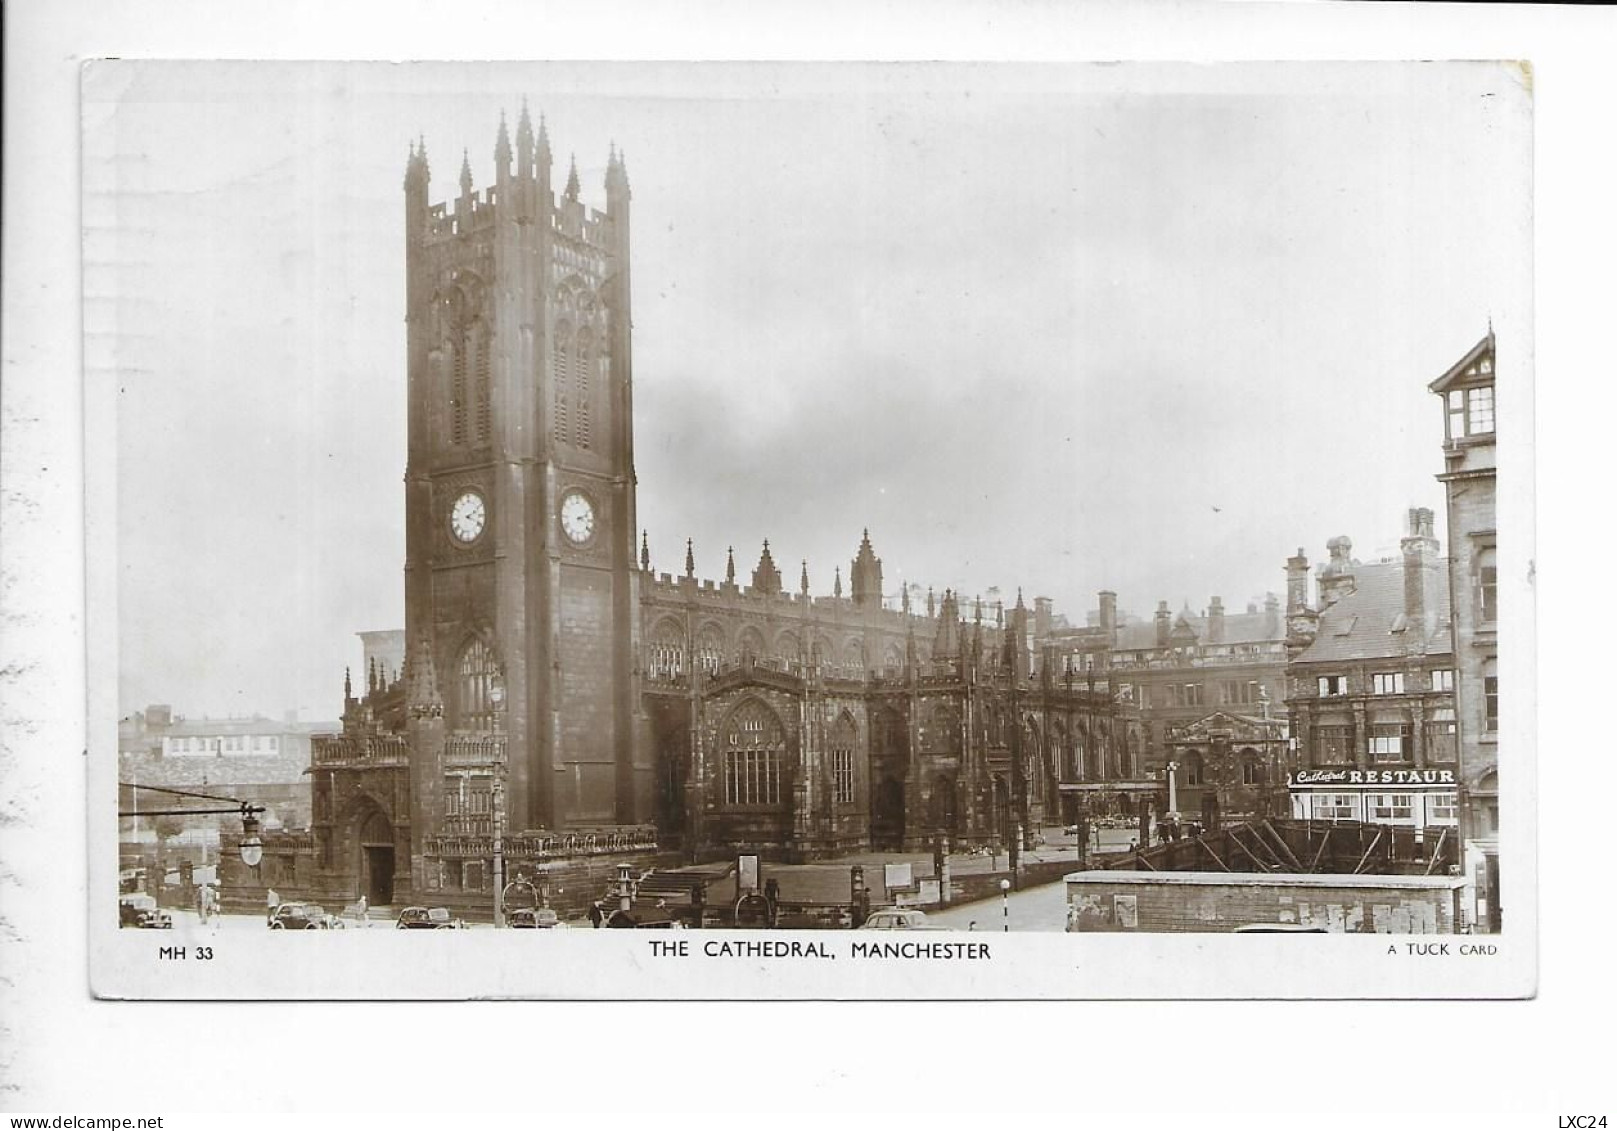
x=496 y=695
x=1005 y=903
x=1172 y=770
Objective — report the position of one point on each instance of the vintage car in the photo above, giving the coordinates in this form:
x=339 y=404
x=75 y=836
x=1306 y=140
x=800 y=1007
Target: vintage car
x=531 y=918
x=428 y=919
x=303 y=917
x=138 y=909
x=899 y=919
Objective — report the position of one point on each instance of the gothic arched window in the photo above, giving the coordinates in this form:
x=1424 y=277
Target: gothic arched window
x=583 y=362
x=844 y=737
x=481 y=393
x=457 y=387
x=754 y=757
x=476 y=675
x=559 y=371
x=665 y=654
x=709 y=650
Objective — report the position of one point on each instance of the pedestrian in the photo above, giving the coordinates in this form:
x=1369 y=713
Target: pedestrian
x=595 y=914
x=364 y=906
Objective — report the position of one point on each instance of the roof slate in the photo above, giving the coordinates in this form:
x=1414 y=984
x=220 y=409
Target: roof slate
x=1360 y=626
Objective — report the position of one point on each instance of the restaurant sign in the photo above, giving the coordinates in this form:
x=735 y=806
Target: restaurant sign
x=1371 y=777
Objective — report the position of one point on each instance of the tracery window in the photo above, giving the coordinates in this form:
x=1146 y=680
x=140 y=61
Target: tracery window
x=477 y=671
x=754 y=757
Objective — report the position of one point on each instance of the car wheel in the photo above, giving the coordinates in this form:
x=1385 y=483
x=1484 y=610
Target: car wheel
x=277 y=926
x=311 y=926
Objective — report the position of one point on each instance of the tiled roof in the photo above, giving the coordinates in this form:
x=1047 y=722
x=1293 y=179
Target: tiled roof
x=1361 y=626
x=1239 y=628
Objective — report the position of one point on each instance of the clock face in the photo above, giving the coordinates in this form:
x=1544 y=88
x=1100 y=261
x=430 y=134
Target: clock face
x=467 y=516
x=577 y=517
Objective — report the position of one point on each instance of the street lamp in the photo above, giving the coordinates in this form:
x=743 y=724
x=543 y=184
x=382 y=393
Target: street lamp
x=252 y=848
x=1005 y=903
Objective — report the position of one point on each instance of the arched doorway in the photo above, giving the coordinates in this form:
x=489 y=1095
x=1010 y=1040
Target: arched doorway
x=376 y=858
x=943 y=805
x=887 y=815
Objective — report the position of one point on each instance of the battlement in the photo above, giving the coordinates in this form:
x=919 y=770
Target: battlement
x=666 y=589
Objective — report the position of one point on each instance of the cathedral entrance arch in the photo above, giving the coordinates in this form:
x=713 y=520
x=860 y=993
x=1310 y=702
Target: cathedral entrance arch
x=887 y=815
x=889 y=766
x=375 y=840
x=943 y=805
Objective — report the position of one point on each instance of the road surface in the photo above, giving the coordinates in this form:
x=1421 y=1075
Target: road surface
x=1043 y=908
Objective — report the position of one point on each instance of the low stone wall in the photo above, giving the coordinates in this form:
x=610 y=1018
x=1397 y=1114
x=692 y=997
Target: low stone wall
x=1223 y=901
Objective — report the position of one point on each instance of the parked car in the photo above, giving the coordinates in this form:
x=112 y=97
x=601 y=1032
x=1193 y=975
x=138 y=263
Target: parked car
x=533 y=918
x=899 y=919
x=138 y=909
x=303 y=917
x=428 y=919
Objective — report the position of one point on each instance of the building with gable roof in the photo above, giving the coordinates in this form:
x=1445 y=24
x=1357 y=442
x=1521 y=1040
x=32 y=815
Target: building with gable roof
x=1371 y=685
x=1469 y=478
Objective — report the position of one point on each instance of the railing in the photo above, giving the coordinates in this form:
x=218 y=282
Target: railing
x=543 y=845
x=474 y=749
x=373 y=750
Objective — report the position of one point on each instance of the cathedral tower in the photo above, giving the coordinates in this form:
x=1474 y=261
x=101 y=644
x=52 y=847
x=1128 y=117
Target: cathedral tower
x=520 y=493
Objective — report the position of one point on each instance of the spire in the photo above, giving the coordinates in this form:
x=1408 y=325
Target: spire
x=544 y=146
x=347 y=683
x=502 y=150
x=905 y=590
x=690 y=560
x=1019 y=604
x=524 y=142
x=645 y=553
x=415 y=169
x=931 y=608
x=617 y=177
x=866 y=574
x=572 y=178
x=465 y=173
x=947 y=643
x=730 y=565
x=802 y=584
x=766 y=578
x=836 y=588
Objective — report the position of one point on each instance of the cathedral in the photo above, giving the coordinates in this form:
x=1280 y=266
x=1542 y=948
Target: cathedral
x=557 y=692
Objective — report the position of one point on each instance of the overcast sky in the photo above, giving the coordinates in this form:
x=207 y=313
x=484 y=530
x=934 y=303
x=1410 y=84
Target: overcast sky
x=1133 y=327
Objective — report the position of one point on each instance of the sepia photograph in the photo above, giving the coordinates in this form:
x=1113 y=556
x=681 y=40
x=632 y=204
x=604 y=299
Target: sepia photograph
x=901 y=527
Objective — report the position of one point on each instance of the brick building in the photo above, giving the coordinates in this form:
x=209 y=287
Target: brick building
x=1371 y=686
x=1178 y=671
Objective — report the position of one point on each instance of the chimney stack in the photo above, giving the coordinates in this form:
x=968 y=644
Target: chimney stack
x=1271 y=611
x=1043 y=617
x=1302 y=622
x=1164 y=624
x=1420 y=565
x=1336 y=578
x=1215 y=621
x=1108 y=615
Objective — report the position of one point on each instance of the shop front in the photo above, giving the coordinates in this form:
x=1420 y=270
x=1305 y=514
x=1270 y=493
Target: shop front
x=1410 y=798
